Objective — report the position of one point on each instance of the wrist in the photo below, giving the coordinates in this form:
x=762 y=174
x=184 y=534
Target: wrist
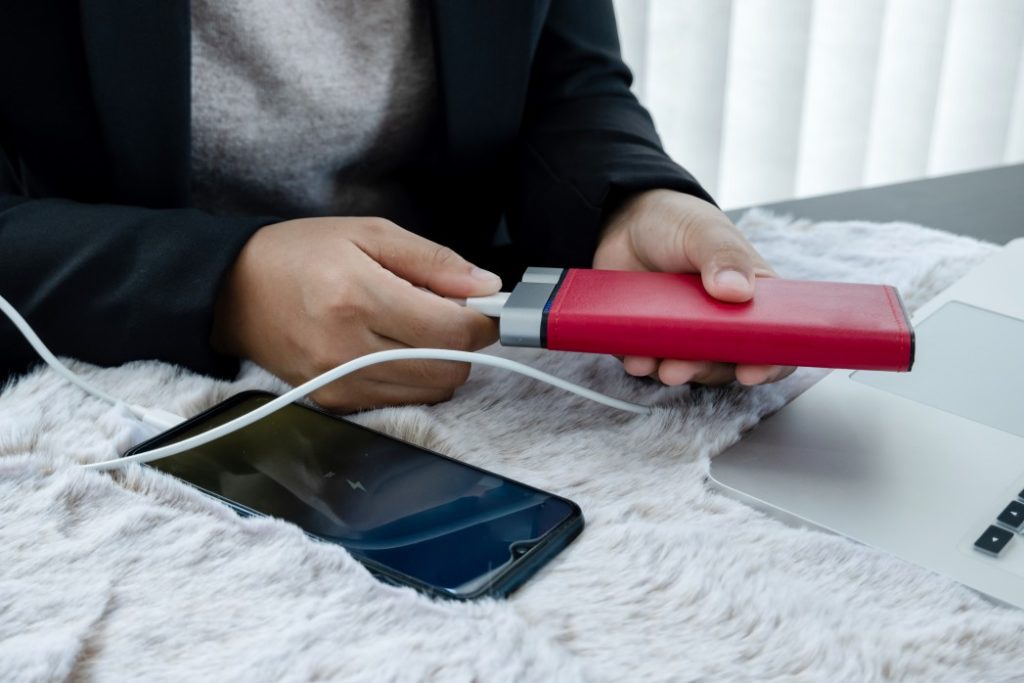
x=615 y=240
x=222 y=337
x=226 y=329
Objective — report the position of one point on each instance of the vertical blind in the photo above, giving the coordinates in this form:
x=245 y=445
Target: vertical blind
x=772 y=99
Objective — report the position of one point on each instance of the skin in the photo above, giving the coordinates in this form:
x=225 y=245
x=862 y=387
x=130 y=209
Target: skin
x=666 y=231
x=309 y=294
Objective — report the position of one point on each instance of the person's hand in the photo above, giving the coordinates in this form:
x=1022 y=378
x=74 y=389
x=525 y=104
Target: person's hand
x=309 y=294
x=662 y=230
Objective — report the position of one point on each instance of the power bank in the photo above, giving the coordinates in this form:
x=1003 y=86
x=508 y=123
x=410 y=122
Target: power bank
x=666 y=315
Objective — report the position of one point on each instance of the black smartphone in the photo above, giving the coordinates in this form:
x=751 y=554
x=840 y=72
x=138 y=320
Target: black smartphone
x=412 y=516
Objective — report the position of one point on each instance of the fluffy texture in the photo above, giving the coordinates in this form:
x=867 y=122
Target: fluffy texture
x=133 y=575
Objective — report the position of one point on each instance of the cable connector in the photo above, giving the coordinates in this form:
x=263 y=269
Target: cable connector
x=156 y=417
x=488 y=305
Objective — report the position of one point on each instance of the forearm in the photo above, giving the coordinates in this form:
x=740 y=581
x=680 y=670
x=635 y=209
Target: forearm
x=108 y=284
x=587 y=143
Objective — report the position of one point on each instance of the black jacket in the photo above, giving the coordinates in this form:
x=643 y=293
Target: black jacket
x=102 y=254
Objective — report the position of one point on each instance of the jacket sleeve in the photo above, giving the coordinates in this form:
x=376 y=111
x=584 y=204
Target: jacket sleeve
x=109 y=284
x=586 y=141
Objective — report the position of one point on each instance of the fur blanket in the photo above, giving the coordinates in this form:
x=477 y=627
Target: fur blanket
x=132 y=575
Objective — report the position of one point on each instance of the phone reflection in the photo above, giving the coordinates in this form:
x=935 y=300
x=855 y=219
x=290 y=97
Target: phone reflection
x=439 y=521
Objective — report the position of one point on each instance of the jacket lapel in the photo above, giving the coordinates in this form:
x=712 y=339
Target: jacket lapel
x=138 y=56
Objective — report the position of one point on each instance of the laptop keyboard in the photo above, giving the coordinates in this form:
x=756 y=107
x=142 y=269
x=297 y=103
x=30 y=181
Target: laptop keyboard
x=993 y=540
x=1013 y=516
x=998 y=535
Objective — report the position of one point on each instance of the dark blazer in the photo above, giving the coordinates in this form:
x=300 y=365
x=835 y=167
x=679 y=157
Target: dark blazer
x=102 y=254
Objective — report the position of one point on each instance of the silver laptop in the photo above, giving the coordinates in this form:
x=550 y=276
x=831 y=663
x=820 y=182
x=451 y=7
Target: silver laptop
x=927 y=465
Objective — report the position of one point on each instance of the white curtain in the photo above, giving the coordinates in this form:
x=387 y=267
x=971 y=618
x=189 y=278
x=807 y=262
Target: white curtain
x=771 y=99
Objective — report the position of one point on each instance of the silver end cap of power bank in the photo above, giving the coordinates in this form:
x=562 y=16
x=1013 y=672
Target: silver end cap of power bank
x=522 y=316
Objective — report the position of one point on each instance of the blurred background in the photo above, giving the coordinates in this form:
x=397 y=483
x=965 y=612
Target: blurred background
x=767 y=100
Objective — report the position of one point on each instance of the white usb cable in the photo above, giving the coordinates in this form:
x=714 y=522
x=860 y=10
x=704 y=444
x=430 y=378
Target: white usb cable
x=156 y=417
x=165 y=420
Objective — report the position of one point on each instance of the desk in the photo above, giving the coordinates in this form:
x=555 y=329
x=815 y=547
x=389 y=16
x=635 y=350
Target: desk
x=986 y=204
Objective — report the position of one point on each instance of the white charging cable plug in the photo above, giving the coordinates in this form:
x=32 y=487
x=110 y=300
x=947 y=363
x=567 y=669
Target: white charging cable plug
x=156 y=417
x=162 y=419
x=488 y=305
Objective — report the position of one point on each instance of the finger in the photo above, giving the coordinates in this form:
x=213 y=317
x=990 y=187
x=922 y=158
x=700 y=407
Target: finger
x=674 y=372
x=725 y=260
x=751 y=375
x=423 y=262
x=715 y=374
x=363 y=393
x=423 y=374
x=639 y=366
x=414 y=373
x=417 y=318
x=782 y=373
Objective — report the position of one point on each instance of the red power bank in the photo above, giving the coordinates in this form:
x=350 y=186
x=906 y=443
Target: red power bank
x=665 y=315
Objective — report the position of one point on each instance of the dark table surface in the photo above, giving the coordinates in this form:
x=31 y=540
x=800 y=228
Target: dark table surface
x=986 y=204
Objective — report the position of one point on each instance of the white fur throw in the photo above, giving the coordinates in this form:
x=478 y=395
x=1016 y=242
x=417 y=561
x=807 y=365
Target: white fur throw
x=133 y=576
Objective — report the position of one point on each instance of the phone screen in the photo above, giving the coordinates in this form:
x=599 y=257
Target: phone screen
x=451 y=526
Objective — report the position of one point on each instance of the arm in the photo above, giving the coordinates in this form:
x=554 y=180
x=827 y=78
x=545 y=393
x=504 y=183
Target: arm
x=587 y=143
x=108 y=284
x=596 y=188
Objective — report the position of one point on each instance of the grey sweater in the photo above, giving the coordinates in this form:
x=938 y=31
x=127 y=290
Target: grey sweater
x=310 y=107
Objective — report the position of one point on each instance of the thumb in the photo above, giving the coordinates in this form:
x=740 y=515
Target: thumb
x=427 y=264
x=686 y=234
x=726 y=262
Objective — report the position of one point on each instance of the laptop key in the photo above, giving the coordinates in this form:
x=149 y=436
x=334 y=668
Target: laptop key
x=1013 y=515
x=993 y=540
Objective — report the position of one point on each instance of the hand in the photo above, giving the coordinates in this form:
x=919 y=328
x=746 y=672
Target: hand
x=662 y=230
x=309 y=294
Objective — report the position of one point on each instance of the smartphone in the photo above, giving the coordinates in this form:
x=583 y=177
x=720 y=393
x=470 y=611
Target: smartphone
x=412 y=516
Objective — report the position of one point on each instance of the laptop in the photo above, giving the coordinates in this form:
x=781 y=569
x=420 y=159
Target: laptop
x=927 y=465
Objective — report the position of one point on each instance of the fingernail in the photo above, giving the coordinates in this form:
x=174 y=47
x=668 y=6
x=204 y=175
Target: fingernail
x=732 y=279
x=484 y=275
